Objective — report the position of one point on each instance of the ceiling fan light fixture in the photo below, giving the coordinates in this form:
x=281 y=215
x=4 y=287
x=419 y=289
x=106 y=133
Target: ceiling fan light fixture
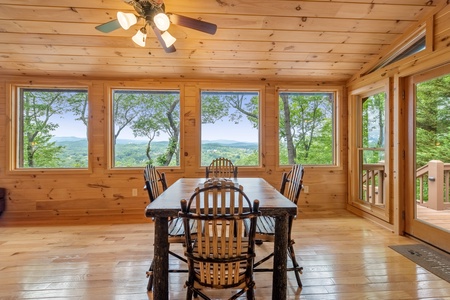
x=168 y=39
x=161 y=21
x=126 y=20
x=140 y=37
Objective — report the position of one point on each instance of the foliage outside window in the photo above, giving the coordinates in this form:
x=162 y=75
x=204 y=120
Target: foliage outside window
x=432 y=126
x=372 y=151
x=52 y=128
x=230 y=127
x=433 y=121
x=306 y=133
x=373 y=128
x=146 y=127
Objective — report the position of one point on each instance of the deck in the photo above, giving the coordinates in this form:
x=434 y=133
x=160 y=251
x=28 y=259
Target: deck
x=440 y=218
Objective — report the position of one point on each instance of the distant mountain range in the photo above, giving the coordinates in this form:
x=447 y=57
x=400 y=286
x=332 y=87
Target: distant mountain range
x=136 y=141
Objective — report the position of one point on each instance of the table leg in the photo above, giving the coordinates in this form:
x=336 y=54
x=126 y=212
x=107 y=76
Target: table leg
x=161 y=260
x=279 y=279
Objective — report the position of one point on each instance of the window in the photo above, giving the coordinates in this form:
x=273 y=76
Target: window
x=306 y=128
x=230 y=123
x=413 y=45
x=368 y=158
x=52 y=128
x=372 y=149
x=146 y=128
x=432 y=142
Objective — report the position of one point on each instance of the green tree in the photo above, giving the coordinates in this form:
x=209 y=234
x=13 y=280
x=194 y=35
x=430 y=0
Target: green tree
x=232 y=107
x=39 y=106
x=305 y=126
x=149 y=114
x=126 y=106
x=78 y=105
x=373 y=127
x=433 y=120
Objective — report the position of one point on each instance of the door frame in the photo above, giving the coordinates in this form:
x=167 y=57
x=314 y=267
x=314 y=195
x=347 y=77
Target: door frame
x=413 y=226
x=355 y=204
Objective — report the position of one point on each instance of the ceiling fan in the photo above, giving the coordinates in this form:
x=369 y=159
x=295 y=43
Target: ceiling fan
x=155 y=17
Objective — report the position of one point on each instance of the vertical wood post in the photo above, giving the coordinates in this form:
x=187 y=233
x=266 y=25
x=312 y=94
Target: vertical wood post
x=435 y=185
x=279 y=288
x=161 y=260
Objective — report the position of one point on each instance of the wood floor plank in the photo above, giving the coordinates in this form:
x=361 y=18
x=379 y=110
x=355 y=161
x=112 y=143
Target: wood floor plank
x=344 y=257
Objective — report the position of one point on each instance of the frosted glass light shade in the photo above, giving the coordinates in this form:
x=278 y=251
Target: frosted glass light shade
x=140 y=37
x=168 y=39
x=126 y=20
x=161 y=21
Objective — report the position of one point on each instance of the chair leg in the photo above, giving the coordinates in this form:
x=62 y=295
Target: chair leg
x=297 y=268
x=250 y=294
x=189 y=294
x=150 y=277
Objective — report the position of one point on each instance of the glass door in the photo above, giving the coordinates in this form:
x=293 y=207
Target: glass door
x=428 y=157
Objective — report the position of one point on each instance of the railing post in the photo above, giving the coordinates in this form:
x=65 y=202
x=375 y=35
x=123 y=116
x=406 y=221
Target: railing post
x=435 y=185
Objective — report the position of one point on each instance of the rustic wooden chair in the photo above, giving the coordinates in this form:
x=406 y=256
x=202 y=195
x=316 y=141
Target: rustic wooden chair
x=154 y=180
x=222 y=254
x=291 y=186
x=221 y=168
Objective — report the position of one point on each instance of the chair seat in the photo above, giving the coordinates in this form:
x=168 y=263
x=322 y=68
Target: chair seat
x=265 y=225
x=176 y=228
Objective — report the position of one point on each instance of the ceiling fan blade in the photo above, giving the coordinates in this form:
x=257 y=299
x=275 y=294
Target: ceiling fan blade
x=170 y=49
x=108 y=26
x=193 y=23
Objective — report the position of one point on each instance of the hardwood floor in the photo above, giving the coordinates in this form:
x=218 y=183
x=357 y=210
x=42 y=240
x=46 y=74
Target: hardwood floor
x=344 y=257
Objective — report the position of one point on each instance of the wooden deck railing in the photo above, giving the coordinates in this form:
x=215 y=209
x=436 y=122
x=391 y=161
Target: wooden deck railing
x=433 y=183
x=373 y=183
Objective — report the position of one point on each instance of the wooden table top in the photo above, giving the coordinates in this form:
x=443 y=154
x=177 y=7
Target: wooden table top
x=272 y=203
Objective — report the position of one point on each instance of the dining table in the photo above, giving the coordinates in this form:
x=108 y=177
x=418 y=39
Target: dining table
x=167 y=205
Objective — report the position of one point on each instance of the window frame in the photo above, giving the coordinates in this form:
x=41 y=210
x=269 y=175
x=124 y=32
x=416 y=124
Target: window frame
x=109 y=129
x=336 y=120
x=355 y=144
x=262 y=115
x=12 y=128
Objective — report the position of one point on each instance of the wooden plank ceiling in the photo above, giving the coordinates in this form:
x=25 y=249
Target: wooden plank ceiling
x=325 y=40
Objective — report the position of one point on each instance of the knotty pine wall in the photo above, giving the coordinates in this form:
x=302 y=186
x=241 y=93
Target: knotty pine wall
x=104 y=191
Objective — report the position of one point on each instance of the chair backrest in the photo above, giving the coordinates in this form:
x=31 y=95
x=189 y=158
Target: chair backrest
x=292 y=183
x=291 y=186
x=221 y=254
x=153 y=179
x=221 y=168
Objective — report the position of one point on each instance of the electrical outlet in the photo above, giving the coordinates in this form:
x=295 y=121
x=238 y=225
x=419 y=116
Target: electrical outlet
x=306 y=189
x=134 y=192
